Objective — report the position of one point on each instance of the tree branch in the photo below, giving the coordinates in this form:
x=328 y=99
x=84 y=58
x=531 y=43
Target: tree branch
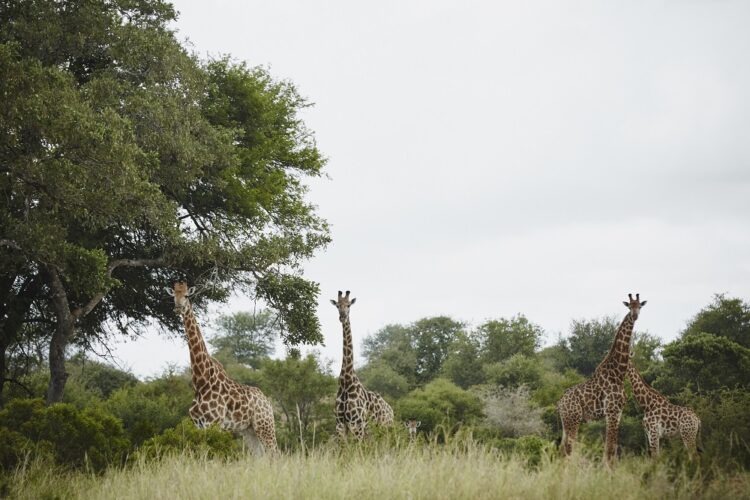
x=10 y=244
x=83 y=311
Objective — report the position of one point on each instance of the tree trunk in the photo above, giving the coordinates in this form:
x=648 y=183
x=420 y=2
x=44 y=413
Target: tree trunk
x=64 y=331
x=57 y=374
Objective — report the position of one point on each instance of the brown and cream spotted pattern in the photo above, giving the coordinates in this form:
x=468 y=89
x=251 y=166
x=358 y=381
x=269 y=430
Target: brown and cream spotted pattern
x=603 y=395
x=355 y=405
x=236 y=407
x=411 y=427
x=661 y=418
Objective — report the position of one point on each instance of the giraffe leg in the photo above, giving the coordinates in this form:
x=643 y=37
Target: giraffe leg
x=268 y=439
x=690 y=439
x=653 y=441
x=252 y=442
x=570 y=434
x=613 y=431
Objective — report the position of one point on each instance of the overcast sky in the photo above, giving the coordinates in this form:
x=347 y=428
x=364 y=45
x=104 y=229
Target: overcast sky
x=491 y=158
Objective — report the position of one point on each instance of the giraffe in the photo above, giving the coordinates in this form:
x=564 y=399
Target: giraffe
x=603 y=395
x=411 y=427
x=354 y=403
x=218 y=399
x=661 y=417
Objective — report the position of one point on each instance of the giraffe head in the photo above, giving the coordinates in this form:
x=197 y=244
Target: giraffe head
x=634 y=304
x=343 y=304
x=411 y=427
x=181 y=293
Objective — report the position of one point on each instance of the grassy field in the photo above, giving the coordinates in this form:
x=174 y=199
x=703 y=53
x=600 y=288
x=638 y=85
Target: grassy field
x=421 y=471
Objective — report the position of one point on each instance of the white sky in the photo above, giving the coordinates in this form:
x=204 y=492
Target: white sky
x=490 y=158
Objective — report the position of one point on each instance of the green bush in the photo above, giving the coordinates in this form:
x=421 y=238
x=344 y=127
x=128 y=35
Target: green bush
x=144 y=413
x=14 y=448
x=76 y=438
x=185 y=437
x=725 y=426
x=530 y=448
x=440 y=402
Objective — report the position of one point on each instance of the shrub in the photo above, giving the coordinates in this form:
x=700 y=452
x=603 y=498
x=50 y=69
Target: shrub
x=14 y=447
x=510 y=411
x=529 y=448
x=514 y=371
x=185 y=437
x=76 y=438
x=440 y=402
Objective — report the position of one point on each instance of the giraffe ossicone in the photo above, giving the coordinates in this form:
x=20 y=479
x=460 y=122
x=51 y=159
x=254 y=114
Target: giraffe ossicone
x=218 y=399
x=355 y=405
x=603 y=395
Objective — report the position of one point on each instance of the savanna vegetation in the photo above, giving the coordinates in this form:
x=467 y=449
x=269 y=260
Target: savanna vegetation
x=127 y=163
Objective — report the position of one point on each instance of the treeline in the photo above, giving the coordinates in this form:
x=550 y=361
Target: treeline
x=493 y=381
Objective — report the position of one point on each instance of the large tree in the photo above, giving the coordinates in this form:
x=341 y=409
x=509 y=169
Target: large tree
x=126 y=164
x=245 y=337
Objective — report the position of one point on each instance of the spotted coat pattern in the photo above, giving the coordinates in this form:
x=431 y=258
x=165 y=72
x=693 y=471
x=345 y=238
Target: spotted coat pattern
x=661 y=418
x=218 y=399
x=411 y=427
x=355 y=405
x=603 y=395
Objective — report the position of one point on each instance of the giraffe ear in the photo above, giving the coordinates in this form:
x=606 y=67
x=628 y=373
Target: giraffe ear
x=353 y=301
x=626 y=303
x=643 y=303
x=191 y=291
x=334 y=302
x=169 y=291
x=419 y=422
x=406 y=424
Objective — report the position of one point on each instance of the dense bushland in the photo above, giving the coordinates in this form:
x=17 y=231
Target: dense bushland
x=110 y=418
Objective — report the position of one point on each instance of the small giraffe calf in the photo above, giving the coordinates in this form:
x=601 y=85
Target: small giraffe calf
x=411 y=427
x=662 y=418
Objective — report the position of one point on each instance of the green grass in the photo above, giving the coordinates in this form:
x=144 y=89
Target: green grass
x=427 y=471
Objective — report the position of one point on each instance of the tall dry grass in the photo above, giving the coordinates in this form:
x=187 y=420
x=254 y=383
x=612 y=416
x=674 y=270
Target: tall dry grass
x=459 y=469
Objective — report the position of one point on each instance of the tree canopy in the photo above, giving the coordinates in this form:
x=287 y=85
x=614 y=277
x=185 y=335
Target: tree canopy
x=126 y=164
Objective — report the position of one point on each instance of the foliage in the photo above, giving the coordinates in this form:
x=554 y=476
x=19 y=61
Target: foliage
x=299 y=386
x=589 y=341
x=529 y=448
x=14 y=448
x=725 y=427
x=129 y=164
x=393 y=346
x=502 y=338
x=433 y=339
x=101 y=378
x=515 y=371
x=383 y=379
x=147 y=409
x=460 y=366
x=245 y=338
x=554 y=384
x=725 y=317
x=440 y=402
x=704 y=362
x=185 y=437
x=91 y=437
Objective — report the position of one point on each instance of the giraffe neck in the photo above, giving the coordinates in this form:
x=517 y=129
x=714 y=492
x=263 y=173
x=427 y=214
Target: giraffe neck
x=619 y=354
x=198 y=351
x=648 y=398
x=347 y=363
